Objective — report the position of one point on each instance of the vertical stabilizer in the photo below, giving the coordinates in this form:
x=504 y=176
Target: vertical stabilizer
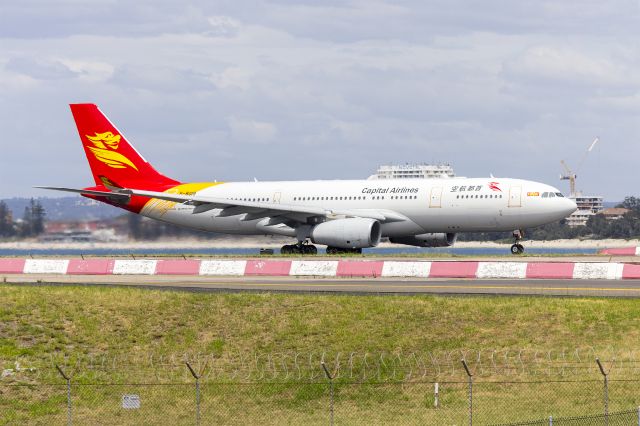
x=113 y=160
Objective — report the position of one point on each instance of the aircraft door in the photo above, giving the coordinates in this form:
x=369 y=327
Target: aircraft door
x=276 y=197
x=435 y=201
x=515 y=196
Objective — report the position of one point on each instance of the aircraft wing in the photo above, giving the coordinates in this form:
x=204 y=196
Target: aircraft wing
x=251 y=210
x=257 y=210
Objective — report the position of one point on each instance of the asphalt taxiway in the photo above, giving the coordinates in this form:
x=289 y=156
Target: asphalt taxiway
x=546 y=287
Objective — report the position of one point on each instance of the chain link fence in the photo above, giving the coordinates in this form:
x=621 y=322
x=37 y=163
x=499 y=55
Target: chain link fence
x=188 y=394
x=308 y=403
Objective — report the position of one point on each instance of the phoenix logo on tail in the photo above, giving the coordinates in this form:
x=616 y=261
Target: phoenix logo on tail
x=104 y=149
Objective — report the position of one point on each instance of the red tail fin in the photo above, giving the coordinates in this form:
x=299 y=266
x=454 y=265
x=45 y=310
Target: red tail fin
x=113 y=161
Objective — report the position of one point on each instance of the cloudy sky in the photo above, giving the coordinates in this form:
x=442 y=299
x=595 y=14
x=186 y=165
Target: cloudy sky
x=232 y=90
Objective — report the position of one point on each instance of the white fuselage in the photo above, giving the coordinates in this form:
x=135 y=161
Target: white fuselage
x=449 y=205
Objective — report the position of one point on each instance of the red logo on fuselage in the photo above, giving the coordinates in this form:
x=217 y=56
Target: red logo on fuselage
x=494 y=186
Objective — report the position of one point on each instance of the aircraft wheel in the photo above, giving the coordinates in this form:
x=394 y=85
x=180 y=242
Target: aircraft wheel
x=288 y=249
x=517 y=249
x=332 y=250
x=310 y=249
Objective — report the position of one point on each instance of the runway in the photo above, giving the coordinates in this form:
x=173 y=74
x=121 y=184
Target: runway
x=547 y=287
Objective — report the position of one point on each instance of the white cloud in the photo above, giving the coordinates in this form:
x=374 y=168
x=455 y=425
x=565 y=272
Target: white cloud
x=232 y=78
x=502 y=87
x=252 y=131
x=568 y=66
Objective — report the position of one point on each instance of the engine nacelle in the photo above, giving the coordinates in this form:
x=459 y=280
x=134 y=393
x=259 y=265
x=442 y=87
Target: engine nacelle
x=427 y=240
x=347 y=233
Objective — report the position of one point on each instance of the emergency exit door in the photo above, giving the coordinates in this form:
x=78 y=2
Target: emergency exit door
x=515 y=196
x=436 y=197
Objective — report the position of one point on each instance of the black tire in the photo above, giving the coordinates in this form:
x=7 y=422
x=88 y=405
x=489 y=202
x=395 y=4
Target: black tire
x=332 y=250
x=515 y=249
x=311 y=249
x=520 y=248
x=286 y=250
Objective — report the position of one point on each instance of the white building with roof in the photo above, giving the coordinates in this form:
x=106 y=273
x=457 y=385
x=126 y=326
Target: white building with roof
x=588 y=205
x=413 y=171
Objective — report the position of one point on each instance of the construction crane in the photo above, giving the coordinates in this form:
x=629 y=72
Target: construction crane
x=570 y=175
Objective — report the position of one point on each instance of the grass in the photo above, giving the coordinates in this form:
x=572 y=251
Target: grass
x=39 y=322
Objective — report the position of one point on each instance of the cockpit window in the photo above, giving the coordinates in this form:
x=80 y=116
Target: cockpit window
x=559 y=194
x=551 y=195
x=545 y=195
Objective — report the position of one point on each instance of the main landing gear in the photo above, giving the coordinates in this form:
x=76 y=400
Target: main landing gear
x=517 y=248
x=300 y=248
x=340 y=250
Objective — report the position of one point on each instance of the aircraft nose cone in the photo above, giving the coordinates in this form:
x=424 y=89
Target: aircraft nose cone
x=569 y=207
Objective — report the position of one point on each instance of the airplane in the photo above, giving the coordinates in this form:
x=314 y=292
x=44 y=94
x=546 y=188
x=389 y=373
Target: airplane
x=344 y=215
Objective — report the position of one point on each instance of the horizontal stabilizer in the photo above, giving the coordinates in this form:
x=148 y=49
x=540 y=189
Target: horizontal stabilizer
x=121 y=196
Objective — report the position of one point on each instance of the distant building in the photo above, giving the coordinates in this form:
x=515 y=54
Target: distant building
x=614 y=213
x=588 y=206
x=413 y=171
x=85 y=231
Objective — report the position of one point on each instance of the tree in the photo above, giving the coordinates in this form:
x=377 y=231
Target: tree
x=32 y=219
x=6 y=221
x=37 y=217
x=631 y=203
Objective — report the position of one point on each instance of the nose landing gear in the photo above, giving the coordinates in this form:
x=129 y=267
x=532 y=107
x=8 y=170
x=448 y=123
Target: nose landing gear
x=517 y=248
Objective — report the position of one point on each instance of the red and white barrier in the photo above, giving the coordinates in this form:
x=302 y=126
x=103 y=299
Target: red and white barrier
x=135 y=267
x=273 y=268
x=623 y=251
x=314 y=268
x=90 y=267
x=12 y=266
x=223 y=267
x=502 y=270
x=406 y=269
x=178 y=267
x=326 y=268
x=550 y=270
x=356 y=268
x=46 y=266
x=453 y=270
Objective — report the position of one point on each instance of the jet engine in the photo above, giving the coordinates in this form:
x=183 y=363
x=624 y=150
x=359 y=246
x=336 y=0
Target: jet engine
x=347 y=233
x=427 y=240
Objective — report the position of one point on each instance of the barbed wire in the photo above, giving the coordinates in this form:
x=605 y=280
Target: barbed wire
x=395 y=366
